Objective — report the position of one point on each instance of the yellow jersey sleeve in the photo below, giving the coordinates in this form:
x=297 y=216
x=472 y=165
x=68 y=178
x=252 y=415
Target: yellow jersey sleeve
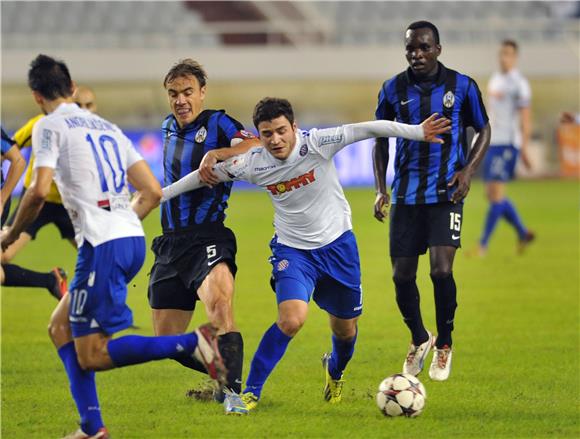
x=23 y=138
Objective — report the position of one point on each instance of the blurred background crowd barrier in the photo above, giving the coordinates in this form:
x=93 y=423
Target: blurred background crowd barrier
x=328 y=58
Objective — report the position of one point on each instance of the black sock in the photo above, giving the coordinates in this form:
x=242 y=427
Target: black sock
x=16 y=276
x=409 y=305
x=192 y=363
x=231 y=347
x=445 y=305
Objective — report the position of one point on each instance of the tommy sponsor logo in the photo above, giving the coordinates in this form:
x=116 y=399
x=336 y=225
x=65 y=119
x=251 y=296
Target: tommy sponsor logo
x=295 y=183
x=283 y=265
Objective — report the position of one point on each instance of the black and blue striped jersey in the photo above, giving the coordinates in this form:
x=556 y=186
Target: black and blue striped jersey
x=183 y=150
x=422 y=170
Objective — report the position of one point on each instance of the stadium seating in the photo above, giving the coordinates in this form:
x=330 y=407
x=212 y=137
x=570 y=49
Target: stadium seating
x=156 y=24
x=102 y=24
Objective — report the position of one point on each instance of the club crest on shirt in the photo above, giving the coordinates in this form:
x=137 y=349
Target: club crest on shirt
x=303 y=150
x=448 y=99
x=201 y=135
x=283 y=265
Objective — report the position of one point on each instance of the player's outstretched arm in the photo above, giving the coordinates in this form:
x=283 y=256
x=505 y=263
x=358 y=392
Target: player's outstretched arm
x=427 y=131
x=188 y=183
x=210 y=159
x=148 y=188
x=193 y=181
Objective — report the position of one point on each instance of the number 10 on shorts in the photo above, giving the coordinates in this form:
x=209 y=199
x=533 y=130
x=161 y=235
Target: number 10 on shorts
x=455 y=221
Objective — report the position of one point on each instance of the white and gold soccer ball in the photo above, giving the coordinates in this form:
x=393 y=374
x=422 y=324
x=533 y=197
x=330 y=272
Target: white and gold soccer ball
x=401 y=394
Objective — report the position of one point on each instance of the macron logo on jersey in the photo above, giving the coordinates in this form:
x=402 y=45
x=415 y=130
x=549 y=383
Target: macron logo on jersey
x=295 y=183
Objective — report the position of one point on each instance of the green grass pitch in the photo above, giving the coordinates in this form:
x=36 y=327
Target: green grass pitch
x=515 y=366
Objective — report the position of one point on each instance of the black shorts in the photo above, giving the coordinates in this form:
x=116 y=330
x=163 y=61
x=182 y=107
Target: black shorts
x=415 y=228
x=51 y=213
x=183 y=260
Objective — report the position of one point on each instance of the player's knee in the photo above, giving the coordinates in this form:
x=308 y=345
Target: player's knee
x=85 y=362
x=91 y=360
x=345 y=333
x=290 y=325
x=58 y=332
x=88 y=362
x=401 y=277
x=404 y=272
x=219 y=307
x=440 y=272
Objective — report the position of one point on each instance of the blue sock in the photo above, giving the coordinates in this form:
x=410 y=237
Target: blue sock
x=511 y=215
x=341 y=354
x=83 y=390
x=135 y=349
x=270 y=351
x=494 y=213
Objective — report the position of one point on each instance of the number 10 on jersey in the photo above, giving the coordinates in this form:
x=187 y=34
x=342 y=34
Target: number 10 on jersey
x=118 y=174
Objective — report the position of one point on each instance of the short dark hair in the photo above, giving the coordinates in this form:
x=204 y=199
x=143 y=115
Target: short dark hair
x=50 y=78
x=185 y=67
x=271 y=108
x=425 y=24
x=510 y=43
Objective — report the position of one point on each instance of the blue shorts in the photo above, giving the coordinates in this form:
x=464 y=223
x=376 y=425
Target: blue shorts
x=99 y=288
x=330 y=274
x=500 y=163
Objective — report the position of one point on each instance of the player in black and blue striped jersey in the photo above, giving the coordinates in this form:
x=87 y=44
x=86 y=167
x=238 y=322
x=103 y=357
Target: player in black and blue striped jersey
x=195 y=256
x=431 y=181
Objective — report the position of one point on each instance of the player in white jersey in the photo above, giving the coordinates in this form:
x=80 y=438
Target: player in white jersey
x=509 y=113
x=314 y=252
x=93 y=162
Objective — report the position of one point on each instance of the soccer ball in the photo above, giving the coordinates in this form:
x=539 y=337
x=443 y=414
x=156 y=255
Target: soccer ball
x=401 y=394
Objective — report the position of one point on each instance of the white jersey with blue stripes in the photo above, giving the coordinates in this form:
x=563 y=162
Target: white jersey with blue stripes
x=508 y=93
x=90 y=157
